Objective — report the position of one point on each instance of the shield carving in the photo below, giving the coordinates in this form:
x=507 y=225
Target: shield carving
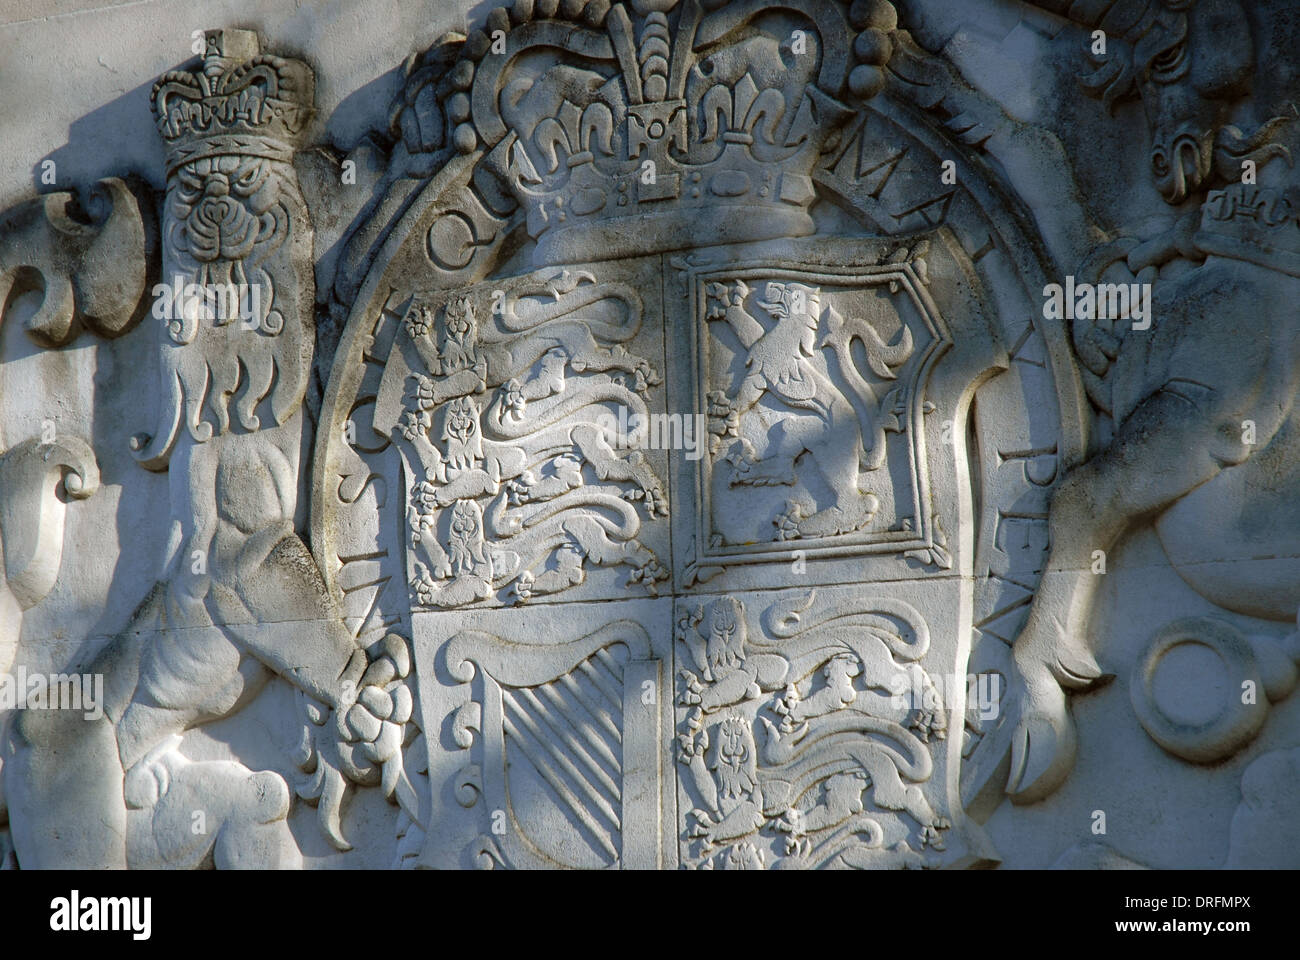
x=702 y=439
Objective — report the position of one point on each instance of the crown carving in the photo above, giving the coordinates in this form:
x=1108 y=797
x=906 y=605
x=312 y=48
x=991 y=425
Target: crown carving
x=634 y=125
x=237 y=101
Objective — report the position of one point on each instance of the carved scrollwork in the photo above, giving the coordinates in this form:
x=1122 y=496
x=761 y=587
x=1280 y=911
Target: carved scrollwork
x=32 y=474
x=90 y=271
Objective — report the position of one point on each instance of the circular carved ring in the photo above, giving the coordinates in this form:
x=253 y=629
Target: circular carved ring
x=1188 y=666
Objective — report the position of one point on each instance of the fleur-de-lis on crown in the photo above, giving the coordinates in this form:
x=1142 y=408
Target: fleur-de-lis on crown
x=736 y=113
x=579 y=133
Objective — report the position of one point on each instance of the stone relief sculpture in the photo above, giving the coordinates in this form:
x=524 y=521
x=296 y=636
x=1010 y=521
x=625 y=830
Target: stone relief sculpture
x=240 y=597
x=544 y=458
x=88 y=274
x=788 y=360
x=502 y=454
x=674 y=464
x=568 y=727
x=32 y=520
x=809 y=790
x=1200 y=411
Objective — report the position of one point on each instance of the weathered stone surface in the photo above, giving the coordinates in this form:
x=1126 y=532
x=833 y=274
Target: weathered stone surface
x=662 y=434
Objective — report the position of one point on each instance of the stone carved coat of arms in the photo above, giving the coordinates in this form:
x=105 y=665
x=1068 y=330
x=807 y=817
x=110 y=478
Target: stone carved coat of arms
x=682 y=447
x=675 y=394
